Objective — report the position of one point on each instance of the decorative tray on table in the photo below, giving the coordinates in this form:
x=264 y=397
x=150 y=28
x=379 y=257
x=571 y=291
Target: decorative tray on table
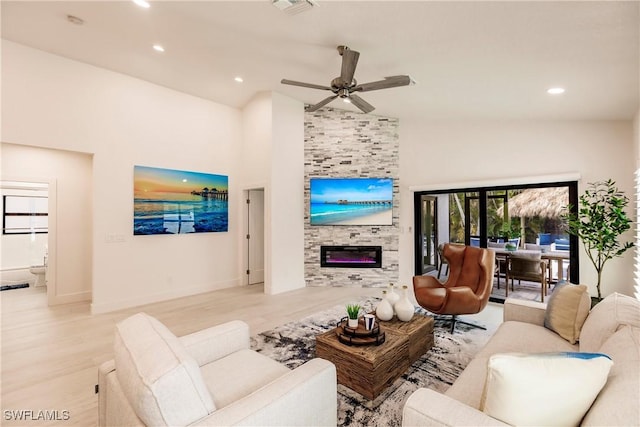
x=359 y=335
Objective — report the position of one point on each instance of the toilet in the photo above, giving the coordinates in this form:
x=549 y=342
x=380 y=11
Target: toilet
x=39 y=271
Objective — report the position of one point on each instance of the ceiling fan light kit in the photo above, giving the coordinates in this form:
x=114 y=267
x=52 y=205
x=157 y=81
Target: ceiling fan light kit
x=345 y=85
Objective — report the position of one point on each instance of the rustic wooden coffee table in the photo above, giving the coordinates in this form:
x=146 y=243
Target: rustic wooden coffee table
x=370 y=369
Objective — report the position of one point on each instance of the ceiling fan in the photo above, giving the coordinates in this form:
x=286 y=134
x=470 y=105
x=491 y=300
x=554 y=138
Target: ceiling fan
x=345 y=85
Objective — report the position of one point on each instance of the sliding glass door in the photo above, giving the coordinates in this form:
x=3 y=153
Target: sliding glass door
x=531 y=217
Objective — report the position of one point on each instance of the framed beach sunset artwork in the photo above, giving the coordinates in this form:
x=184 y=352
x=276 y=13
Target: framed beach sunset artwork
x=167 y=201
x=351 y=201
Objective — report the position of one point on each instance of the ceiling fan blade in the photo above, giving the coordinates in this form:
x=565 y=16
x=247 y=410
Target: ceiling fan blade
x=388 y=82
x=309 y=85
x=349 y=62
x=312 y=108
x=361 y=103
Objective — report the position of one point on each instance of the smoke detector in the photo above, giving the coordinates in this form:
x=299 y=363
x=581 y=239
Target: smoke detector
x=293 y=7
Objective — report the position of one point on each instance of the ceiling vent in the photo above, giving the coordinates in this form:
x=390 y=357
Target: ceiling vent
x=293 y=7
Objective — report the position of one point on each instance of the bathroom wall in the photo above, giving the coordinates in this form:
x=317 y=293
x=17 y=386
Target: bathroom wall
x=22 y=250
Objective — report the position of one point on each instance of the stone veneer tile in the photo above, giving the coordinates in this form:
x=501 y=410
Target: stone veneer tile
x=341 y=143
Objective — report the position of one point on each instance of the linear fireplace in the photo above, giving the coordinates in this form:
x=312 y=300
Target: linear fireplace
x=351 y=256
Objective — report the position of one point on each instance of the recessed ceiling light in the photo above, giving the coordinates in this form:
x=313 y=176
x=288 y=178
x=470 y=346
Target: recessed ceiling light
x=158 y=48
x=555 y=91
x=142 y=3
x=239 y=79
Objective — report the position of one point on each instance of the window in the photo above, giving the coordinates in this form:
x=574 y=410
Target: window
x=525 y=217
x=25 y=214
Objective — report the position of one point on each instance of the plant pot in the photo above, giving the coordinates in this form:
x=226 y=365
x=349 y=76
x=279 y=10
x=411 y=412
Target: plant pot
x=352 y=323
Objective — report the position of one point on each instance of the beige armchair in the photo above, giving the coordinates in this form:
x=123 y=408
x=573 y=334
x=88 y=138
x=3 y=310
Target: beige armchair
x=208 y=378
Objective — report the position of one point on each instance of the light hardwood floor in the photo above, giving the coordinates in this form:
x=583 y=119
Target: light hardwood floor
x=50 y=355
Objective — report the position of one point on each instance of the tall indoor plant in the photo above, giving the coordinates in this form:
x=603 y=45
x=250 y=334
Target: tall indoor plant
x=599 y=222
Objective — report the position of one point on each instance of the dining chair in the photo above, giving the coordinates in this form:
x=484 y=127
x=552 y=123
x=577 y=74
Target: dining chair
x=528 y=267
x=501 y=260
x=442 y=261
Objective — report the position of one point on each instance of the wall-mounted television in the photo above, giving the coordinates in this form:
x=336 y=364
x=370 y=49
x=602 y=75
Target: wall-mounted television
x=351 y=201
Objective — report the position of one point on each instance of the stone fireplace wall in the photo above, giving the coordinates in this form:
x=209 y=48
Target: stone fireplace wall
x=344 y=144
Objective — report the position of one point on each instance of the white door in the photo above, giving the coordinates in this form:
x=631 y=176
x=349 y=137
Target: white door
x=256 y=236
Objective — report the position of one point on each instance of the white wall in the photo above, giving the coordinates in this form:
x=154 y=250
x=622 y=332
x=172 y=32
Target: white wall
x=286 y=197
x=636 y=137
x=273 y=159
x=449 y=152
x=70 y=225
x=256 y=141
x=53 y=102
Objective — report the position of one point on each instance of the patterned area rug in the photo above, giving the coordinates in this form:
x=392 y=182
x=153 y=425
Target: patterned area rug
x=294 y=343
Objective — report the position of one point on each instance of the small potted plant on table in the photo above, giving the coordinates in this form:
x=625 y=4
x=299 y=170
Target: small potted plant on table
x=353 y=310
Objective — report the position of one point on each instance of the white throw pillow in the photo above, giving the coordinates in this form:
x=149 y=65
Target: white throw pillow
x=546 y=389
x=161 y=381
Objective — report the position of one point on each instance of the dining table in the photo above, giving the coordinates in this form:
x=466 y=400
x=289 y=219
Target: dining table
x=559 y=257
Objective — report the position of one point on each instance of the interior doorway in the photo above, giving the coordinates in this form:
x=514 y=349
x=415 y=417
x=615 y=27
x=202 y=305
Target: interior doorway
x=255 y=236
x=28 y=235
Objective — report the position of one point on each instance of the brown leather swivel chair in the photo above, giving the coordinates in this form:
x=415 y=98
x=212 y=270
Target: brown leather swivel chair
x=467 y=288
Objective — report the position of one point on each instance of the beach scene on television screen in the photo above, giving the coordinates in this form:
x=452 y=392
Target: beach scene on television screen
x=167 y=201
x=351 y=201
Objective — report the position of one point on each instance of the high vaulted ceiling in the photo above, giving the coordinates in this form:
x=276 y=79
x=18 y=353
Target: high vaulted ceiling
x=471 y=60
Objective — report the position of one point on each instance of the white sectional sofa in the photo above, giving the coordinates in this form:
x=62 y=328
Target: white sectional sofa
x=612 y=327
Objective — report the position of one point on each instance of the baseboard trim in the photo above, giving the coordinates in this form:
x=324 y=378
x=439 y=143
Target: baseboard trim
x=69 y=298
x=106 y=307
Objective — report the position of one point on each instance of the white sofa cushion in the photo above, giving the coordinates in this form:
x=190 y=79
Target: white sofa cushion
x=162 y=382
x=549 y=389
x=234 y=376
x=605 y=319
x=617 y=404
x=567 y=310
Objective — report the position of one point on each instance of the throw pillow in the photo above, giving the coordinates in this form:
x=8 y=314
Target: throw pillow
x=606 y=318
x=567 y=309
x=161 y=381
x=548 y=389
